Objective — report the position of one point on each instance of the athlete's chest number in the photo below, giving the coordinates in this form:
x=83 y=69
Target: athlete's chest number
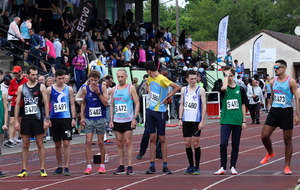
x=31 y=109
x=232 y=104
x=60 y=107
x=190 y=105
x=121 y=108
x=154 y=97
x=279 y=99
x=95 y=112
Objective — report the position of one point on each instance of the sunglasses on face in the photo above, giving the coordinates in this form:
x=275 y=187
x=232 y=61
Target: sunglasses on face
x=15 y=73
x=277 y=67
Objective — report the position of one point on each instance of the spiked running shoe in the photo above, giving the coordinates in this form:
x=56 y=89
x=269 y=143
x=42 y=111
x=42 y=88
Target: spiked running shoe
x=129 y=171
x=43 y=173
x=266 y=158
x=190 y=170
x=120 y=170
x=196 y=171
x=101 y=170
x=221 y=171
x=287 y=171
x=88 y=171
x=67 y=172
x=23 y=173
x=233 y=171
x=59 y=170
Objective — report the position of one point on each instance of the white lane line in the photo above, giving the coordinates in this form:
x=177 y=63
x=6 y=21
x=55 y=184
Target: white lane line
x=225 y=179
x=147 y=161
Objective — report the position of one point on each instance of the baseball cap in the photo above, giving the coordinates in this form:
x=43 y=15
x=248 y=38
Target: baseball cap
x=17 y=69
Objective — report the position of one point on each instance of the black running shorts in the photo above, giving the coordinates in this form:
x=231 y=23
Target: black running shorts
x=61 y=129
x=32 y=127
x=282 y=117
x=190 y=128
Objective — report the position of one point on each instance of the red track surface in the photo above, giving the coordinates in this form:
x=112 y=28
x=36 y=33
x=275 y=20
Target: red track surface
x=252 y=175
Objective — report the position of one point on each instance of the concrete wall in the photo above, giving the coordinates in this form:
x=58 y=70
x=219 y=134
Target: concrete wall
x=283 y=51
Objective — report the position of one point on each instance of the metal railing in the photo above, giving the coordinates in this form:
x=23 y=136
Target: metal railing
x=23 y=50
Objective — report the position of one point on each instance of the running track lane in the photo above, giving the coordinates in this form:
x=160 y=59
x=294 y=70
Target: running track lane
x=251 y=172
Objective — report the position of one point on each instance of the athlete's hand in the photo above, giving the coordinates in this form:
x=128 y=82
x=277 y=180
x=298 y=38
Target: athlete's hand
x=243 y=126
x=226 y=72
x=165 y=101
x=73 y=123
x=201 y=126
x=82 y=123
x=4 y=127
x=95 y=88
x=17 y=126
x=46 y=124
x=111 y=125
x=50 y=124
x=180 y=124
x=133 y=124
x=296 y=119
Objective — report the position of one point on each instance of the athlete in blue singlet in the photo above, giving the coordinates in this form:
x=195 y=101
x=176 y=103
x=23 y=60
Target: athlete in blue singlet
x=283 y=87
x=192 y=113
x=62 y=119
x=93 y=112
x=123 y=115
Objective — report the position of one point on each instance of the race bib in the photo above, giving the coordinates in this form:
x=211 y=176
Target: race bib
x=279 y=99
x=31 y=109
x=60 y=107
x=121 y=108
x=232 y=104
x=154 y=97
x=190 y=105
x=95 y=112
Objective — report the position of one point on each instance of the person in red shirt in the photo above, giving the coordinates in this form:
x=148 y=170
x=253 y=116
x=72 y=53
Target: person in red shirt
x=12 y=91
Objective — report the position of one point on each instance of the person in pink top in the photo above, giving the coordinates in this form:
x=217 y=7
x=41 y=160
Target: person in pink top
x=142 y=57
x=79 y=64
x=50 y=56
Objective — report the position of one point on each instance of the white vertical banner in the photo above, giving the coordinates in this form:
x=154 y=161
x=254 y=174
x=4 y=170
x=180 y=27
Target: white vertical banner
x=256 y=53
x=222 y=37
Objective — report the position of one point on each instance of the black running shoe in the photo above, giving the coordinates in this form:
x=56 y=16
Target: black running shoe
x=166 y=171
x=59 y=170
x=151 y=170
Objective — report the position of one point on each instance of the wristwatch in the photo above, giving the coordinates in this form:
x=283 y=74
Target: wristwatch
x=226 y=75
x=48 y=118
x=99 y=94
x=135 y=118
x=74 y=118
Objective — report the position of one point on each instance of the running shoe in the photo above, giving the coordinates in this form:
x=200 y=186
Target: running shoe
x=166 y=170
x=106 y=142
x=189 y=170
x=9 y=144
x=221 y=171
x=101 y=170
x=129 y=170
x=88 y=171
x=287 y=171
x=23 y=173
x=120 y=170
x=43 y=173
x=67 y=172
x=151 y=170
x=44 y=140
x=233 y=171
x=2 y=174
x=196 y=171
x=109 y=133
x=267 y=157
x=139 y=156
x=57 y=171
x=18 y=141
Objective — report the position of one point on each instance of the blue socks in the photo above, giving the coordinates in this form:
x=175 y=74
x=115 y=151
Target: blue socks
x=152 y=164
x=165 y=165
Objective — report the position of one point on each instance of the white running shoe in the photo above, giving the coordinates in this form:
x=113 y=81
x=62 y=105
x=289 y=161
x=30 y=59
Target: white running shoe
x=221 y=171
x=233 y=171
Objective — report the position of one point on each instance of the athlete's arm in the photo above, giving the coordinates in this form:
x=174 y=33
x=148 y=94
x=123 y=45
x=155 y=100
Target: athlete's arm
x=82 y=120
x=17 y=107
x=103 y=97
x=4 y=100
x=46 y=105
x=272 y=93
x=297 y=101
x=225 y=82
x=112 y=107
x=136 y=101
x=244 y=97
x=48 y=91
x=203 y=106
x=72 y=101
x=148 y=88
x=176 y=89
x=293 y=85
x=181 y=109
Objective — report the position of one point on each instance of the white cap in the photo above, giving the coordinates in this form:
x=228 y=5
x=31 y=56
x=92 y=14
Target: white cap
x=184 y=68
x=195 y=69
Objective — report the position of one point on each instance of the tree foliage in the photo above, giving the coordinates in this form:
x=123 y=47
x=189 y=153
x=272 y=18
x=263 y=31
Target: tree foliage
x=246 y=17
